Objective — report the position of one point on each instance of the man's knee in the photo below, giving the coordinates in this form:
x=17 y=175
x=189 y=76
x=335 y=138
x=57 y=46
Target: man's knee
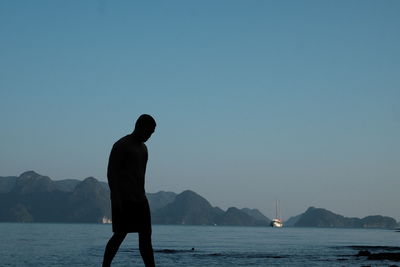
x=120 y=234
x=118 y=237
x=145 y=238
x=145 y=234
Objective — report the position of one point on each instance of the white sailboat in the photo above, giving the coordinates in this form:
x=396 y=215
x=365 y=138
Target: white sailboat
x=277 y=221
x=106 y=220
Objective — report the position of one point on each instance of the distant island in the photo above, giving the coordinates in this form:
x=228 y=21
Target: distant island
x=317 y=217
x=32 y=197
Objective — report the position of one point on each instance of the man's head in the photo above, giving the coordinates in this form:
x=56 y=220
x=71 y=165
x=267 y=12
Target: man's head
x=144 y=127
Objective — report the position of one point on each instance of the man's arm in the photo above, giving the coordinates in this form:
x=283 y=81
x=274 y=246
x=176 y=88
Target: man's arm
x=115 y=172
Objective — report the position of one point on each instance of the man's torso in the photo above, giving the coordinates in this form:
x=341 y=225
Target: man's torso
x=131 y=176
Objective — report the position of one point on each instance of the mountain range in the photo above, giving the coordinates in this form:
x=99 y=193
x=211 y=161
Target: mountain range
x=35 y=198
x=32 y=197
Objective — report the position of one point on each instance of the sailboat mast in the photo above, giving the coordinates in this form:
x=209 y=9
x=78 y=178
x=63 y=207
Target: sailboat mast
x=279 y=211
x=277 y=221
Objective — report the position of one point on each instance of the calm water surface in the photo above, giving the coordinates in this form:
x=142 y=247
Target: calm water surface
x=83 y=245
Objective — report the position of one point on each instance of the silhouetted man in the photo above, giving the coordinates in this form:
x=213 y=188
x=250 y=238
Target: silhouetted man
x=129 y=205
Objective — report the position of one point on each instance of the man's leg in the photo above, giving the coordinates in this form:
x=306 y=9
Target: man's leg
x=112 y=248
x=146 y=248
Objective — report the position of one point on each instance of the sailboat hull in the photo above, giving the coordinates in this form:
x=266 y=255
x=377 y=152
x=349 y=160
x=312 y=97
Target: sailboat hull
x=277 y=223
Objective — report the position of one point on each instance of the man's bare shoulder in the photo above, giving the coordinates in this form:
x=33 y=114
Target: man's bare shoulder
x=122 y=141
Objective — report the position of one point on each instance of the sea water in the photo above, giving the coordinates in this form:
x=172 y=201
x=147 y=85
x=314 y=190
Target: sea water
x=37 y=244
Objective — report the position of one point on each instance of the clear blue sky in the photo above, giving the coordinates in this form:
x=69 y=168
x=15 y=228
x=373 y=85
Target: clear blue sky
x=255 y=100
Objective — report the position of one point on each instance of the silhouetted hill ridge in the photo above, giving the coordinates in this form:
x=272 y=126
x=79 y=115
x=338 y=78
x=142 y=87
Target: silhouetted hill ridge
x=255 y=213
x=30 y=181
x=187 y=208
x=234 y=216
x=67 y=185
x=160 y=199
x=191 y=208
x=32 y=197
x=89 y=201
x=7 y=183
x=318 y=217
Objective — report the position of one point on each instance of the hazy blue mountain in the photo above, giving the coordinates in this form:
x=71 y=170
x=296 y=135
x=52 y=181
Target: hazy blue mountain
x=31 y=182
x=378 y=221
x=160 y=199
x=255 y=213
x=36 y=198
x=67 y=185
x=32 y=197
x=191 y=208
x=187 y=208
x=317 y=217
x=7 y=183
x=234 y=216
x=292 y=221
x=105 y=186
x=219 y=211
x=89 y=202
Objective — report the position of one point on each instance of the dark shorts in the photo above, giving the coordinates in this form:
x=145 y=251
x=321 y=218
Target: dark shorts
x=134 y=217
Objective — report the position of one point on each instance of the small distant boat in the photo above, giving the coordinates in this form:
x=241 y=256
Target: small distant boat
x=277 y=221
x=106 y=220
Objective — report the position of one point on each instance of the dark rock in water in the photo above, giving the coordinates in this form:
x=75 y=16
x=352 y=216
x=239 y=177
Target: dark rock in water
x=385 y=256
x=364 y=253
x=376 y=248
x=379 y=253
x=173 y=251
x=168 y=251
